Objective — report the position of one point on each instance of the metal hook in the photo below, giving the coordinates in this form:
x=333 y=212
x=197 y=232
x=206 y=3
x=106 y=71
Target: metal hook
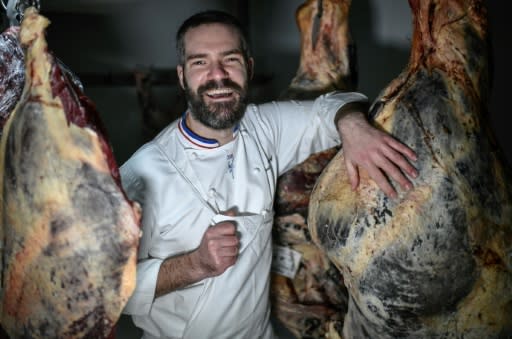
x=15 y=9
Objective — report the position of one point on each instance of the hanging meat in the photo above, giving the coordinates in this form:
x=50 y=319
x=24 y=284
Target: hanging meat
x=307 y=296
x=154 y=117
x=437 y=261
x=328 y=55
x=69 y=234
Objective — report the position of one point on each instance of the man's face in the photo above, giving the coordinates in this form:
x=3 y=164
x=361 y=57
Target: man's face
x=215 y=75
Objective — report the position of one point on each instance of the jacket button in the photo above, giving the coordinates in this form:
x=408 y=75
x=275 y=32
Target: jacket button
x=212 y=192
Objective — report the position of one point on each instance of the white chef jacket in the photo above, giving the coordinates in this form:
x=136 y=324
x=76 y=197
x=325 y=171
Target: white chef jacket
x=184 y=186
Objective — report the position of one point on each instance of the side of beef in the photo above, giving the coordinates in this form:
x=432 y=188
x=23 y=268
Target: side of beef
x=436 y=261
x=70 y=235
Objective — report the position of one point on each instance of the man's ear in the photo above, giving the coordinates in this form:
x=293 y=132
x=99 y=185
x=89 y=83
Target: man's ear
x=179 y=70
x=250 y=68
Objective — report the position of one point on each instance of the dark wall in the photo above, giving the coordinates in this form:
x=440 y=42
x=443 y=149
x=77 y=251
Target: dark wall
x=500 y=112
x=127 y=35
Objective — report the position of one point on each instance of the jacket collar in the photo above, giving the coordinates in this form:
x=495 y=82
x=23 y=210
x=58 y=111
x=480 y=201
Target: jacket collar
x=197 y=140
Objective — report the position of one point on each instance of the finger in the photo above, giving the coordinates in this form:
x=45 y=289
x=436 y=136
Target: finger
x=402 y=163
x=353 y=174
x=400 y=147
x=228 y=251
x=221 y=246
x=382 y=181
x=229 y=241
x=394 y=173
x=223 y=228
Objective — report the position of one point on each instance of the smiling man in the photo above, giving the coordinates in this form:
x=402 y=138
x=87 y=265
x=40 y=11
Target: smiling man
x=215 y=83
x=207 y=182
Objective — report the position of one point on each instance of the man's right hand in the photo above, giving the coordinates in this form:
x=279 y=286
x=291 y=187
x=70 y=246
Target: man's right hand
x=217 y=251
x=219 y=248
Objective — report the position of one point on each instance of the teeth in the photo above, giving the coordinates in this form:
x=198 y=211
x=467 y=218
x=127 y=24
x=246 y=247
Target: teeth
x=222 y=91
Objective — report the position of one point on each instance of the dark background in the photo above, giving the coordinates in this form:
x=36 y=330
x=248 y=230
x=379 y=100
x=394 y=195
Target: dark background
x=105 y=41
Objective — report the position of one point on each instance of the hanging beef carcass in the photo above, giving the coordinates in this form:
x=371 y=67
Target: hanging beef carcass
x=69 y=234
x=307 y=296
x=437 y=261
x=327 y=56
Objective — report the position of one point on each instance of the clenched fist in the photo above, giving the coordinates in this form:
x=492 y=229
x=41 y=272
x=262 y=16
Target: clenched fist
x=217 y=251
x=219 y=248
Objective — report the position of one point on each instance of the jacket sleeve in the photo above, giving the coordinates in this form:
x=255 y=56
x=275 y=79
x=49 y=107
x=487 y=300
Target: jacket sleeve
x=300 y=128
x=141 y=300
x=143 y=296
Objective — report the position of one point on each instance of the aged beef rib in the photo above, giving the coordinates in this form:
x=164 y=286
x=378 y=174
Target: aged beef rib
x=312 y=302
x=436 y=262
x=69 y=234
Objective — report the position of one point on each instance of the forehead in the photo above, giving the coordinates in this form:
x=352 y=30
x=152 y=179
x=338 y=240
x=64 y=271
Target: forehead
x=212 y=38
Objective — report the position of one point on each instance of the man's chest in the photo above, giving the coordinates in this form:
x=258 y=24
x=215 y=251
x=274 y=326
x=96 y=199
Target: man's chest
x=205 y=184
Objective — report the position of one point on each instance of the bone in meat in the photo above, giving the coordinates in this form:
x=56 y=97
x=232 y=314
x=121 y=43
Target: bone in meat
x=69 y=233
x=436 y=262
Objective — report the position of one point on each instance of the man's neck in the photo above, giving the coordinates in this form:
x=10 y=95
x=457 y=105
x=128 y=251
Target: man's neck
x=222 y=136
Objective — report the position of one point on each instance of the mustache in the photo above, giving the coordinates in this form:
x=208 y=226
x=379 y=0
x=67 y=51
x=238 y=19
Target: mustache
x=224 y=83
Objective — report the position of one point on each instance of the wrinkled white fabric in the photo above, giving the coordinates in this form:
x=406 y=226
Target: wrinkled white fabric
x=183 y=189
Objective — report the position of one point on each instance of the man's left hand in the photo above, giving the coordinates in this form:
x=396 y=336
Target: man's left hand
x=377 y=152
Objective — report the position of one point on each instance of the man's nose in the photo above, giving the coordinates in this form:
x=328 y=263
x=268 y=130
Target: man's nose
x=218 y=71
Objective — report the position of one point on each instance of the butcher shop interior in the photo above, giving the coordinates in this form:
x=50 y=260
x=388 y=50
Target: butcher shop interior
x=123 y=53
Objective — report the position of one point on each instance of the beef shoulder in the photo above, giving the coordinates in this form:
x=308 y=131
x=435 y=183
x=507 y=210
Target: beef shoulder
x=69 y=234
x=435 y=262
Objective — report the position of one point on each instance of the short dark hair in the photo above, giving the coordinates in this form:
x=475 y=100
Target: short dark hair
x=210 y=17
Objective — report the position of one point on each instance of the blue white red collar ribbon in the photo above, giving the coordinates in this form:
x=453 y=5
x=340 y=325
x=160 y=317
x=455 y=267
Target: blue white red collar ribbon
x=196 y=139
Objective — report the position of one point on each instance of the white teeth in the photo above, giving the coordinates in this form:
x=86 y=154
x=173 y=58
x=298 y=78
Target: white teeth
x=222 y=91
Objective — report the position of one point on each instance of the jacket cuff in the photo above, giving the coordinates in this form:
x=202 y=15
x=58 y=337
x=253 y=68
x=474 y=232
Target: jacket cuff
x=144 y=294
x=355 y=106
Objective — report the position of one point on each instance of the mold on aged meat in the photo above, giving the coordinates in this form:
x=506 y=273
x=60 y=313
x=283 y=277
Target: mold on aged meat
x=12 y=73
x=69 y=234
x=326 y=235
x=438 y=265
x=422 y=286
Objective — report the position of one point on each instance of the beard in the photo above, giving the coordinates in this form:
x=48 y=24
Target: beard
x=221 y=115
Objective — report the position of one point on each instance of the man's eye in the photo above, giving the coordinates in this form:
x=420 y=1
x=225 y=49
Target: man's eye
x=233 y=59
x=197 y=62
